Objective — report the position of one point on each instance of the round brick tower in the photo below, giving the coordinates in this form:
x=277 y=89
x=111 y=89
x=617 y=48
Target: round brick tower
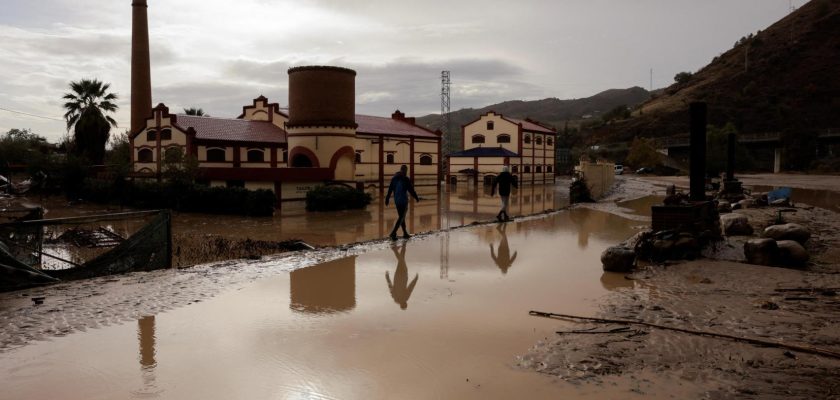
x=322 y=119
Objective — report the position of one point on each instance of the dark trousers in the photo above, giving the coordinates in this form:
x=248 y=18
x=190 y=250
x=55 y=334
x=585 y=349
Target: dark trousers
x=401 y=210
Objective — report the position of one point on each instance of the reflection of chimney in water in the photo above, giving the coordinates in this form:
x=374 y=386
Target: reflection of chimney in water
x=146 y=336
x=141 y=81
x=324 y=288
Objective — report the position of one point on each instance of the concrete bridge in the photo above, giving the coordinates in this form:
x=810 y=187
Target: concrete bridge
x=765 y=146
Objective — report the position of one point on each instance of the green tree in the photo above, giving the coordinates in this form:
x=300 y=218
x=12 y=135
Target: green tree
x=617 y=113
x=178 y=168
x=118 y=156
x=195 y=111
x=87 y=108
x=682 y=77
x=21 y=147
x=642 y=153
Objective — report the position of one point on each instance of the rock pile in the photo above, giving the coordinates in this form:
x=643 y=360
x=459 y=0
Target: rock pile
x=782 y=246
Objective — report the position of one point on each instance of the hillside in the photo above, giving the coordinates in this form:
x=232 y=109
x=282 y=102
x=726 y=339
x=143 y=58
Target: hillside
x=551 y=111
x=783 y=79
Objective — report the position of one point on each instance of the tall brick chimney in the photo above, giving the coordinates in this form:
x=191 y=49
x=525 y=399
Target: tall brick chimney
x=141 y=80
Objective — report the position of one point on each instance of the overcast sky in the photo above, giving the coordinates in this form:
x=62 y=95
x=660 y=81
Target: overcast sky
x=219 y=55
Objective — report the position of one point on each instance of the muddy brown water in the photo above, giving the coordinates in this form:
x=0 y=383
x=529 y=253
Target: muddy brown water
x=442 y=316
x=826 y=199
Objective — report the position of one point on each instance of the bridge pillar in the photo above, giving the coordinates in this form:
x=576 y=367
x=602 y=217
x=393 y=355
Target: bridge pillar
x=777 y=160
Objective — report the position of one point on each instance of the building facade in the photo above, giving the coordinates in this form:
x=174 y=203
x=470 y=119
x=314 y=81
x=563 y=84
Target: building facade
x=266 y=148
x=493 y=141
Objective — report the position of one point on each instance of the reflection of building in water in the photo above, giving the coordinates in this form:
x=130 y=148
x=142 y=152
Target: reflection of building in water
x=324 y=288
x=605 y=225
x=503 y=259
x=400 y=288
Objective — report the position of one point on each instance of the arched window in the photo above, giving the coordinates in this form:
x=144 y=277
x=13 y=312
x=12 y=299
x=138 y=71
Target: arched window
x=151 y=135
x=489 y=125
x=173 y=154
x=166 y=134
x=549 y=141
x=358 y=158
x=145 y=156
x=301 y=161
x=425 y=159
x=527 y=169
x=548 y=168
x=478 y=139
x=503 y=138
x=216 y=155
x=389 y=158
x=527 y=139
x=538 y=139
x=256 y=155
x=514 y=169
x=539 y=168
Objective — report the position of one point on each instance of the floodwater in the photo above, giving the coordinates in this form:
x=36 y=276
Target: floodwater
x=826 y=199
x=435 y=211
x=455 y=206
x=442 y=316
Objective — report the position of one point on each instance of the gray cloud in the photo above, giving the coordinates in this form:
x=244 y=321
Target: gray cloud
x=220 y=55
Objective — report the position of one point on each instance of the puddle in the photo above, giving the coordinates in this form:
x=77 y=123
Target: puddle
x=641 y=206
x=826 y=199
x=443 y=316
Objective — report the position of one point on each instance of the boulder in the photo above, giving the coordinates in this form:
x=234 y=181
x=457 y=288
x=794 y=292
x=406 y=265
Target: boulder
x=792 y=254
x=687 y=247
x=618 y=259
x=787 y=232
x=761 y=251
x=747 y=203
x=736 y=225
x=724 y=206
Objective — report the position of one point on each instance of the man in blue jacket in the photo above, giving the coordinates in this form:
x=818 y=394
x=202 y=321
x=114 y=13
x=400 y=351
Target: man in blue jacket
x=400 y=186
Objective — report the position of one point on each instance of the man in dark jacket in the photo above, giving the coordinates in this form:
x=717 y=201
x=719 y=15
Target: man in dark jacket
x=400 y=186
x=503 y=181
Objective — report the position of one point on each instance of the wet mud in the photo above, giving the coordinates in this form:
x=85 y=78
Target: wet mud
x=715 y=297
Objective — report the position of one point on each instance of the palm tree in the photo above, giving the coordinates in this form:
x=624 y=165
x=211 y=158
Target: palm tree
x=86 y=107
x=195 y=111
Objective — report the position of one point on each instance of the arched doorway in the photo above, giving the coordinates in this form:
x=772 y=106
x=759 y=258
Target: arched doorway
x=301 y=161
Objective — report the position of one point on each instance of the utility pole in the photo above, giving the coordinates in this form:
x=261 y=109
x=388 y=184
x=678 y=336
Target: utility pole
x=651 y=79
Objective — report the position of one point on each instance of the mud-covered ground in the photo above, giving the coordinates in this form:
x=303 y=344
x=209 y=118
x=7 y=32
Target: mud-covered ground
x=800 y=307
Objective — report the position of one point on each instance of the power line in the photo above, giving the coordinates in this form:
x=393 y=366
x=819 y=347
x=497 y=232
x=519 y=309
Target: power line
x=31 y=115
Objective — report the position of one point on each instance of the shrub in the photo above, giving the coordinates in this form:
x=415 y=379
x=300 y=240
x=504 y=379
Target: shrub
x=183 y=197
x=336 y=197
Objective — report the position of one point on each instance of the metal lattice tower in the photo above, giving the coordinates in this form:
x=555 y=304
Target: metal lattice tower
x=445 y=145
x=444 y=113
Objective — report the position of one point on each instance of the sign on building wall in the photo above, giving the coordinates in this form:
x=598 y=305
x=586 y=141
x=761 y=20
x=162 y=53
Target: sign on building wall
x=296 y=190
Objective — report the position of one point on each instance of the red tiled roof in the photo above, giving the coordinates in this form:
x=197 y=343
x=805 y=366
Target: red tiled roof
x=529 y=126
x=241 y=130
x=236 y=130
x=389 y=126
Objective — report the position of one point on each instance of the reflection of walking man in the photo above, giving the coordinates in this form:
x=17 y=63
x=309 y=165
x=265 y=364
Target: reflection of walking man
x=504 y=181
x=400 y=288
x=503 y=260
x=400 y=186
